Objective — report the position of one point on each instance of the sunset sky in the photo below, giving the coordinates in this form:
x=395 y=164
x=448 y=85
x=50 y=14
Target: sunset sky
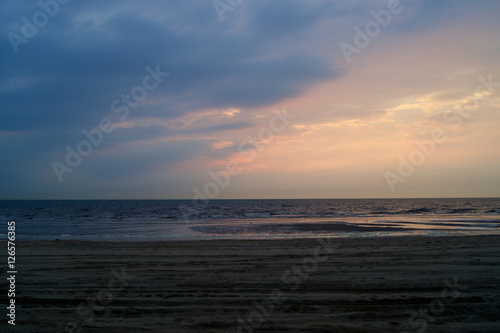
x=348 y=118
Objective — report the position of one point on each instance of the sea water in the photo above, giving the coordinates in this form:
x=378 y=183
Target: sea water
x=149 y=220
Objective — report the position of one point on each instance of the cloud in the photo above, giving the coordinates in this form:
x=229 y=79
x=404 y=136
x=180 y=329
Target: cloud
x=83 y=63
x=264 y=54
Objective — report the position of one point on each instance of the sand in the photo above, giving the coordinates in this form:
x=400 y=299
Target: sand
x=431 y=284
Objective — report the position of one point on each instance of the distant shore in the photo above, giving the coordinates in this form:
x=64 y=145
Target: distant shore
x=389 y=284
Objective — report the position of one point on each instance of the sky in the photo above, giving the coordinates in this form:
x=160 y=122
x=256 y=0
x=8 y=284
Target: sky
x=249 y=99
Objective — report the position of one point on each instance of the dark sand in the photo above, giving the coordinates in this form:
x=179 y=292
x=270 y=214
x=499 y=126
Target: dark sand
x=365 y=285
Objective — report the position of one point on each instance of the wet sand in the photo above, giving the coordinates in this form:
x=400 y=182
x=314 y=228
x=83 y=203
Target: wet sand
x=442 y=284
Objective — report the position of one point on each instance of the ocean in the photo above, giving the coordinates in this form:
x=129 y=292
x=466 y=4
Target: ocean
x=152 y=220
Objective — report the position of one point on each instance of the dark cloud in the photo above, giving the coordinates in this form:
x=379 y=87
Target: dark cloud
x=78 y=67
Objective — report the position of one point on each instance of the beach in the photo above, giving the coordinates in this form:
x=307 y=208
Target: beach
x=382 y=284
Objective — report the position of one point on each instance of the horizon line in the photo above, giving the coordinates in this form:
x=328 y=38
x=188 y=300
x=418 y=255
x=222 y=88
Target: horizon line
x=167 y=199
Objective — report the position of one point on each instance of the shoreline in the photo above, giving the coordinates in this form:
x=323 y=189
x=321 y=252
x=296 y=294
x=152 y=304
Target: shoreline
x=253 y=238
x=257 y=228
